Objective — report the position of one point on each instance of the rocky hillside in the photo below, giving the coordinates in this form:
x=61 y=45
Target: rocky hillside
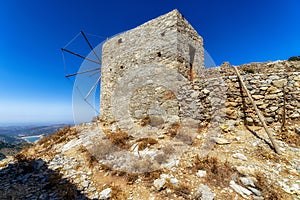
x=10 y=146
x=96 y=161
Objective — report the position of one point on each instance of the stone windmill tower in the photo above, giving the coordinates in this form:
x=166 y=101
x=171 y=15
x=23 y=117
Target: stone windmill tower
x=168 y=40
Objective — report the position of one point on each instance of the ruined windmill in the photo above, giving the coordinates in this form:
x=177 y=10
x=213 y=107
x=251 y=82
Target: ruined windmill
x=167 y=40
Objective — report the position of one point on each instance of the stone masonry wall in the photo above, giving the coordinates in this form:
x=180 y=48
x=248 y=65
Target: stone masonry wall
x=217 y=94
x=168 y=41
x=265 y=81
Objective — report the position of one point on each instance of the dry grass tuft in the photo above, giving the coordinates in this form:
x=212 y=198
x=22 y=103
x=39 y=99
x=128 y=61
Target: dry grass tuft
x=117 y=193
x=182 y=190
x=267 y=154
x=173 y=130
x=270 y=191
x=90 y=159
x=290 y=138
x=145 y=142
x=145 y=121
x=118 y=138
x=218 y=173
x=62 y=135
x=131 y=178
x=151 y=176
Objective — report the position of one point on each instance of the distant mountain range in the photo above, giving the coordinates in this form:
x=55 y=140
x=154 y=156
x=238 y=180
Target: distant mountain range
x=21 y=131
x=11 y=140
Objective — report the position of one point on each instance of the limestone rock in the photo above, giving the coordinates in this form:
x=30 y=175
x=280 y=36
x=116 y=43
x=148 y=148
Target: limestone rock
x=255 y=191
x=105 y=194
x=201 y=173
x=244 y=192
x=248 y=181
x=174 y=181
x=257 y=97
x=205 y=193
x=220 y=141
x=249 y=120
x=159 y=183
x=239 y=156
x=280 y=83
x=231 y=113
x=297 y=130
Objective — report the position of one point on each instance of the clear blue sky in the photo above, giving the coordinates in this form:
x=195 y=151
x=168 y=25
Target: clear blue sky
x=32 y=84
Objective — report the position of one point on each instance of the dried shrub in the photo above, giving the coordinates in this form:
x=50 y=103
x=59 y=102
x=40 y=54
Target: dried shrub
x=145 y=142
x=62 y=135
x=267 y=154
x=91 y=160
x=173 y=130
x=294 y=58
x=82 y=149
x=270 y=191
x=151 y=176
x=145 y=121
x=218 y=173
x=167 y=95
x=290 y=138
x=131 y=178
x=117 y=193
x=249 y=71
x=20 y=157
x=180 y=190
x=119 y=138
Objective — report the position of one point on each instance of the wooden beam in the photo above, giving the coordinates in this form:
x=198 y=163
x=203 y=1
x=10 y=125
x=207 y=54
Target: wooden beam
x=80 y=56
x=260 y=116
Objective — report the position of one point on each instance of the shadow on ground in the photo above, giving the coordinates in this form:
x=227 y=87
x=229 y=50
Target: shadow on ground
x=32 y=179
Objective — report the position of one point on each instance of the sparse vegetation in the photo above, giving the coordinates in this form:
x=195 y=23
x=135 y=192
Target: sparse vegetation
x=182 y=190
x=145 y=142
x=117 y=193
x=131 y=178
x=145 y=121
x=249 y=71
x=294 y=58
x=150 y=176
x=266 y=153
x=270 y=191
x=118 y=138
x=63 y=134
x=218 y=173
x=290 y=138
x=173 y=130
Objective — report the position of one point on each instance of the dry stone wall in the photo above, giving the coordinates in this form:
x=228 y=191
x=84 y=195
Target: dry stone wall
x=218 y=94
x=270 y=84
